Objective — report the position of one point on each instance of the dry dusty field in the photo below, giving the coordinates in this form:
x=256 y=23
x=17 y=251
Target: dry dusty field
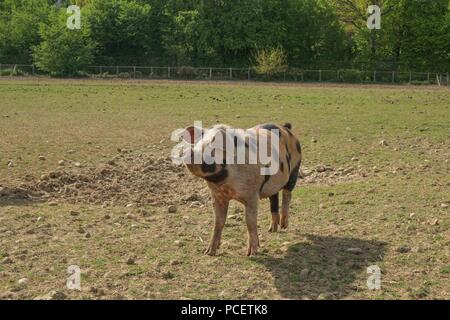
x=86 y=180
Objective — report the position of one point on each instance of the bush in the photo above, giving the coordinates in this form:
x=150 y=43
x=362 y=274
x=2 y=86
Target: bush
x=420 y=82
x=13 y=72
x=186 y=72
x=63 y=52
x=296 y=73
x=270 y=61
x=124 y=75
x=351 y=75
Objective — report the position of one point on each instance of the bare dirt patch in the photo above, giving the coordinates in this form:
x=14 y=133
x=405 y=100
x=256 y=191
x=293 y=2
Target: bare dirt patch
x=125 y=180
x=328 y=175
x=138 y=179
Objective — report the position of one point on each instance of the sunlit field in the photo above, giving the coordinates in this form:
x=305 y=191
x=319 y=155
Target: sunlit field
x=86 y=180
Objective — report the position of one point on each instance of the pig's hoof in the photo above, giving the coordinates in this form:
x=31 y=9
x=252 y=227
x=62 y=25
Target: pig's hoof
x=273 y=228
x=284 y=224
x=253 y=248
x=252 y=251
x=210 y=252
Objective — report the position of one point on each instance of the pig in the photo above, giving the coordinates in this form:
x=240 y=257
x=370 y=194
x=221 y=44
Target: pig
x=228 y=180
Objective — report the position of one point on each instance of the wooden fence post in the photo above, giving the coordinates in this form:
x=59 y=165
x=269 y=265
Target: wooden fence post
x=410 y=77
x=101 y=70
x=428 y=77
x=231 y=73
x=393 y=76
x=32 y=69
x=168 y=72
x=375 y=76
x=210 y=73
x=320 y=75
x=151 y=72
x=117 y=70
x=248 y=74
x=134 y=71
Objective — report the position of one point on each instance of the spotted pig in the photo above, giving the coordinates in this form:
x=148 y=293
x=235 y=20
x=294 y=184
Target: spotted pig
x=244 y=182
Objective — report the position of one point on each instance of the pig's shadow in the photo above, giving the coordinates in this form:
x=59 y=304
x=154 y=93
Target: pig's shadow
x=323 y=265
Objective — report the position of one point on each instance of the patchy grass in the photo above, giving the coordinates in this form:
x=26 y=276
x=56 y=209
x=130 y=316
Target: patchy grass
x=396 y=214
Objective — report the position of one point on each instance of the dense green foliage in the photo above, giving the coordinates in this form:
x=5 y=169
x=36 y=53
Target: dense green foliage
x=415 y=34
x=62 y=52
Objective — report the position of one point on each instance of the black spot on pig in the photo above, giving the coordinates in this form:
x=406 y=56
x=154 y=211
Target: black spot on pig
x=218 y=177
x=274 y=204
x=288 y=161
x=270 y=126
x=208 y=168
x=293 y=177
x=299 y=147
x=289 y=132
x=288 y=126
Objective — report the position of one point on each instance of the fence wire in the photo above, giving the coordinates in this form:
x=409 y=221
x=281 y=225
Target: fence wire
x=244 y=74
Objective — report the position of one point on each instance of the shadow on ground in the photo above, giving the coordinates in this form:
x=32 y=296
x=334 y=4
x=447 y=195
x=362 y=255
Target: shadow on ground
x=5 y=202
x=323 y=266
x=17 y=197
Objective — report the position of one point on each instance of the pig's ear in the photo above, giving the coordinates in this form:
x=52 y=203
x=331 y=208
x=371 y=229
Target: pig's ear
x=192 y=134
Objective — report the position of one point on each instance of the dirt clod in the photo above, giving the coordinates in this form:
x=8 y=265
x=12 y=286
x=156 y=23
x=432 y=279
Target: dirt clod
x=52 y=295
x=404 y=249
x=354 y=250
x=172 y=209
x=434 y=222
x=7 y=260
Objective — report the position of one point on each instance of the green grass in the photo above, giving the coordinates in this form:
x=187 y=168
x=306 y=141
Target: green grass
x=95 y=118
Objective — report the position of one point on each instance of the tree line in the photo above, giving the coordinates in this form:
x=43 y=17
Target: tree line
x=414 y=34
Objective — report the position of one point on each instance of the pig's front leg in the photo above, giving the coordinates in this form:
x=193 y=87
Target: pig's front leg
x=251 y=215
x=220 y=212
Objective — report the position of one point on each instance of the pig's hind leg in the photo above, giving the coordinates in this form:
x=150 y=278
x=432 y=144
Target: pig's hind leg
x=251 y=215
x=275 y=210
x=287 y=196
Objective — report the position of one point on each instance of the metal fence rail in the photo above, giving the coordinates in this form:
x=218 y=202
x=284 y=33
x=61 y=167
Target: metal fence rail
x=245 y=74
